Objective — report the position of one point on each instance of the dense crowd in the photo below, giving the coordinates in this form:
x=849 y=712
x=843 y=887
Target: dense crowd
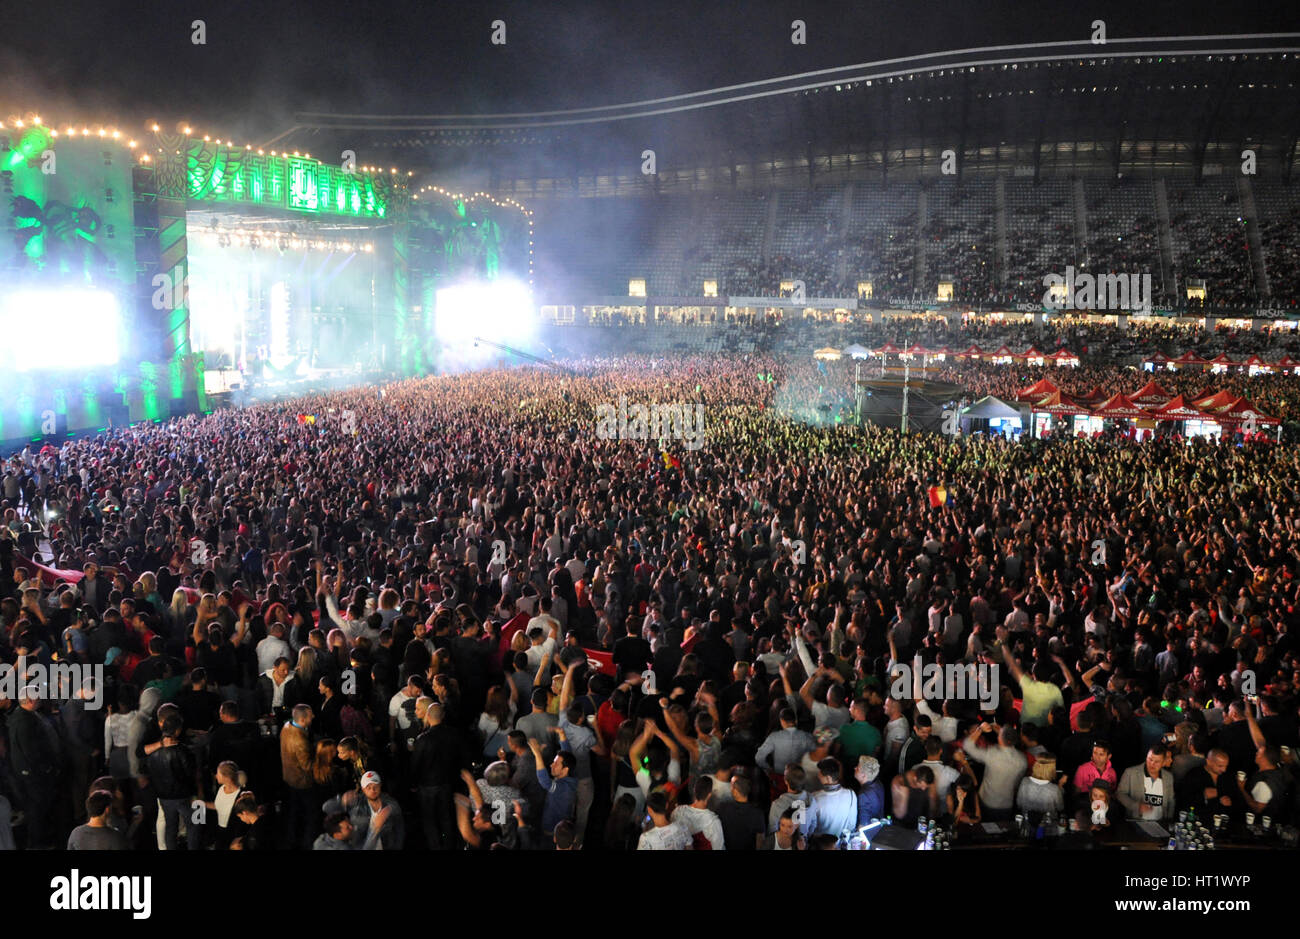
x=887 y=243
x=449 y=613
x=1096 y=341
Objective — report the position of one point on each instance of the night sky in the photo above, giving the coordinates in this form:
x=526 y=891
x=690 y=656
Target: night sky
x=132 y=61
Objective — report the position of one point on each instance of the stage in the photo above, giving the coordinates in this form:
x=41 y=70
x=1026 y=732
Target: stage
x=155 y=256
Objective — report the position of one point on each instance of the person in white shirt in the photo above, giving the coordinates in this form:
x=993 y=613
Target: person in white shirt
x=697 y=818
x=559 y=608
x=831 y=713
x=577 y=569
x=833 y=808
x=398 y=716
x=542 y=648
x=527 y=604
x=665 y=835
x=896 y=731
x=544 y=620
x=786 y=836
x=944 y=775
x=935 y=615
x=795 y=779
x=556 y=545
x=942 y=725
x=231 y=783
x=273 y=647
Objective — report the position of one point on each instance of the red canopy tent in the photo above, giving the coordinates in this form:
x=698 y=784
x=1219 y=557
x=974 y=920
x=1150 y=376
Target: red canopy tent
x=888 y=349
x=1190 y=358
x=1150 y=394
x=1255 y=361
x=1060 y=403
x=1031 y=353
x=916 y=349
x=1038 y=389
x=1214 y=402
x=1156 y=358
x=1178 y=410
x=1004 y=352
x=972 y=352
x=1239 y=412
x=1121 y=407
x=1287 y=363
x=1092 y=398
x=1063 y=356
x=1222 y=359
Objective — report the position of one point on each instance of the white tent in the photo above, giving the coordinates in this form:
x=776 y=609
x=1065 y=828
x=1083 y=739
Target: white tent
x=990 y=407
x=827 y=353
x=856 y=351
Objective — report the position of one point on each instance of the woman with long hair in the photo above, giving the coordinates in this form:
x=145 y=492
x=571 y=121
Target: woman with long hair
x=331 y=773
x=308 y=672
x=964 y=801
x=354 y=755
x=389 y=601
x=447 y=690
x=337 y=643
x=205 y=616
x=415 y=661
x=146 y=591
x=623 y=830
x=117 y=733
x=180 y=612
x=231 y=784
x=623 y=773
x=497 y=718
x=742 y=734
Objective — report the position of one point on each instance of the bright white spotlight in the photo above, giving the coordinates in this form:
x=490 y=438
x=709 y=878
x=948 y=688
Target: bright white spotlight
x=87 y=319
x=501 y=311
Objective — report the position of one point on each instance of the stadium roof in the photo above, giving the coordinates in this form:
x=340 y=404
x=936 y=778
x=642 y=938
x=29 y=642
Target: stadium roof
x=1053 y=107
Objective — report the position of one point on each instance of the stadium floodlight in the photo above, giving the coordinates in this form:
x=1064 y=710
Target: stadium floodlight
x=91 y=316
x=502 y=309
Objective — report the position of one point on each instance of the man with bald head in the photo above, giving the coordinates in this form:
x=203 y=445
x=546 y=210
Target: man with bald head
x=436 y=765
x=1210 y=788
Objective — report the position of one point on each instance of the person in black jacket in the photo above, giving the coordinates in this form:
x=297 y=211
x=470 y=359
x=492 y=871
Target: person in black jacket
x=83 y=737
x=172 y=773
x=108 y=634
x=250 y=825
x=278 y=678
x=94 y=589
x=237 y=741
x=436 y=765
x=331 y=707
x=36 y=758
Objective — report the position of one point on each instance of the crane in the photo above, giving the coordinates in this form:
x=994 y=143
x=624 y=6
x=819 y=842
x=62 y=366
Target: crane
x=525 y=355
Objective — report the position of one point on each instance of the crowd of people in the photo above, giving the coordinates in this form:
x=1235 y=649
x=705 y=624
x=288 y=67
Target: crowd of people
x=446 y=613
x=905 y=255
